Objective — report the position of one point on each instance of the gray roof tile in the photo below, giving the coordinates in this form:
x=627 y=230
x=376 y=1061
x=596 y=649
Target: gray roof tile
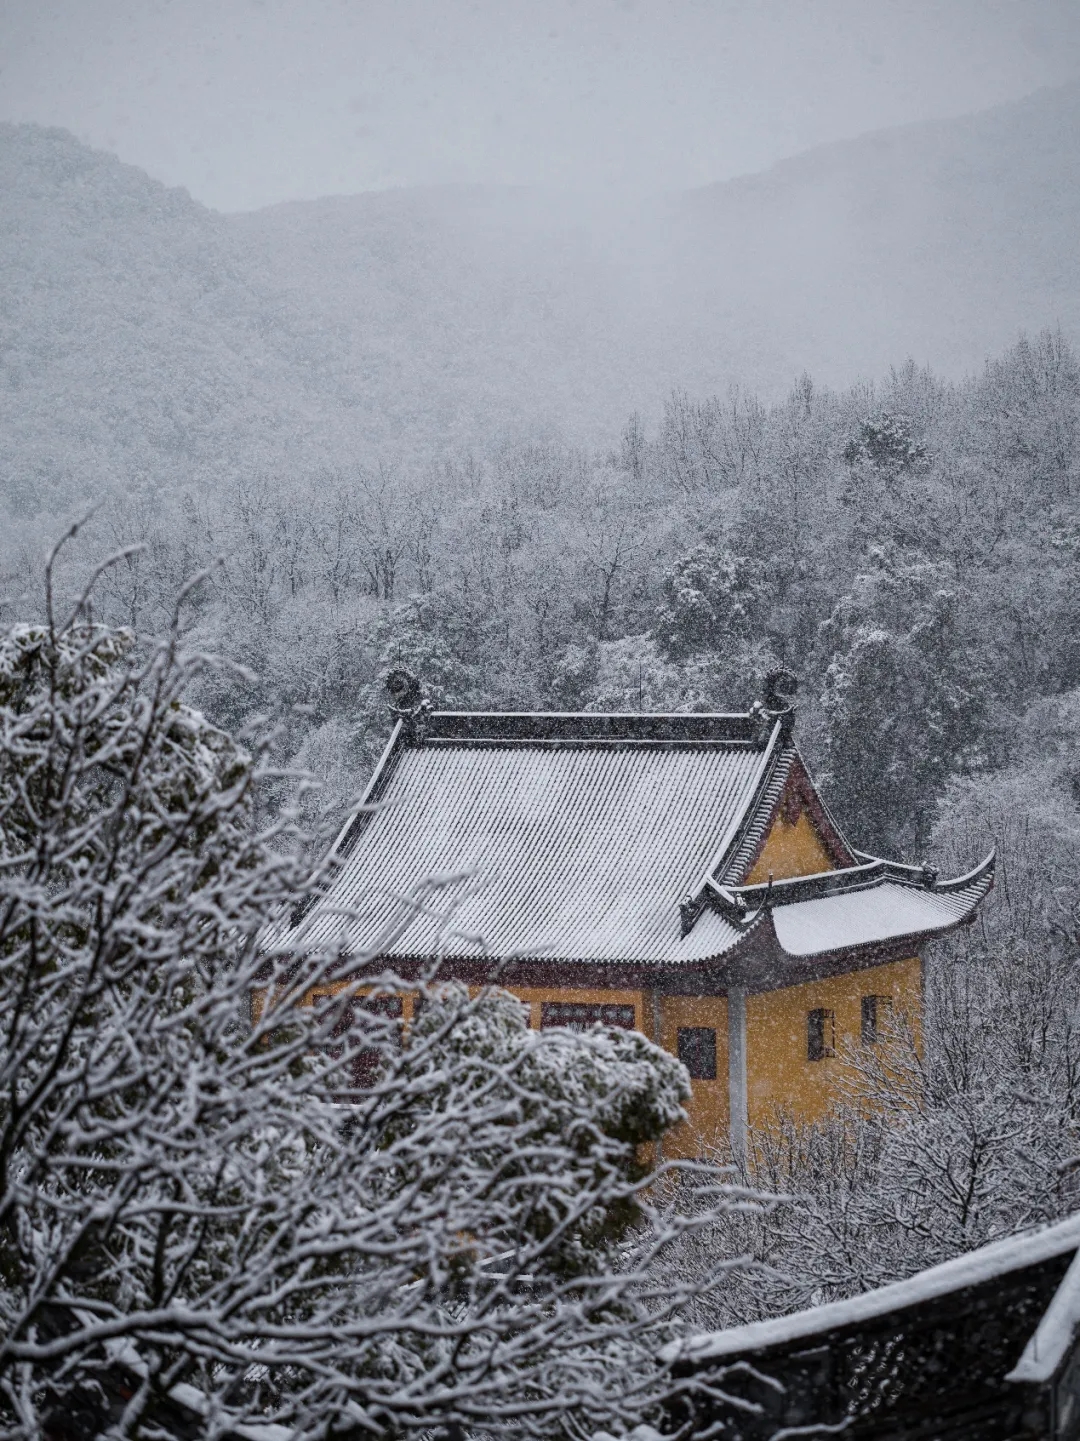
x=575 y=838
x=571 y=851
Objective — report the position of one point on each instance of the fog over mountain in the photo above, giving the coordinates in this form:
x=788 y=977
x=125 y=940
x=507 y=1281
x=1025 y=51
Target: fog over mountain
x=147 y=337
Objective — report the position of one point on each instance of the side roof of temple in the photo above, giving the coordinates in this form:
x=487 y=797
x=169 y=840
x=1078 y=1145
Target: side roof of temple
x=598 y=840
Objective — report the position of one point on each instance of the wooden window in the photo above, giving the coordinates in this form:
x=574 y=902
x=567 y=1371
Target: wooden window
x=697 y=1051
x=363 y=1063
x=876 y=1018
x=820 y=1034
x=578 y=1016
x=421 y=1003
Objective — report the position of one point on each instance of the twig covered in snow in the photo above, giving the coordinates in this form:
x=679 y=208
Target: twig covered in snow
x=213 y=1187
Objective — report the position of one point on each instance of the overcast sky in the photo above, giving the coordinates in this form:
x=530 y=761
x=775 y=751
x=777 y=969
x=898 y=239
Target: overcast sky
x=247 y=102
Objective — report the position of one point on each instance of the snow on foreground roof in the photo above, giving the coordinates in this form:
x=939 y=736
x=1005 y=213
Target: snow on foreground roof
x=1053 y=1336
x=997 y=1259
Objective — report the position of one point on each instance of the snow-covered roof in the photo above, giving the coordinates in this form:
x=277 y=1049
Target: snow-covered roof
x=881 y=912
x=571 y=837
x=616 y=839
x=997 y=1259
x=867 y=905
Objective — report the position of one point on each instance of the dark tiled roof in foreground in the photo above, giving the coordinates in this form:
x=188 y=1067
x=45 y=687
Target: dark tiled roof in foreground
x=982 y=1347
x=988 y=1263
x=578 y=838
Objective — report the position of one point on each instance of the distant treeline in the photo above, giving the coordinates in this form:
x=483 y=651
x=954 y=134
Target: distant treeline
x=908 y=549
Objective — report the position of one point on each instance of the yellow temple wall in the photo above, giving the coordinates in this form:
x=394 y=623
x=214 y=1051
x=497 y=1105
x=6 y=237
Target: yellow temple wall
x=790 y=850
x=779 y=1074
x=707 y=1111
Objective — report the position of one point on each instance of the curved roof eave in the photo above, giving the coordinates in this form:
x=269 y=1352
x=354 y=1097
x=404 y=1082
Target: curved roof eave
x=887 y=910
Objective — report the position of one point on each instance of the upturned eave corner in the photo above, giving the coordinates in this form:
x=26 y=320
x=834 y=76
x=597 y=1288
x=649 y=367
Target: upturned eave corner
x=985 y=871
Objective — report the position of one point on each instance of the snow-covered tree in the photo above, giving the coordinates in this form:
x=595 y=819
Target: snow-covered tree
x=712 y=598
x=903 y=699
x=970 y=1131
x=887 y=445
x=229 y=1183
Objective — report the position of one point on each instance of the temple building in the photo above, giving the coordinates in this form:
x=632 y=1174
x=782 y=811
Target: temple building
x=677 y=874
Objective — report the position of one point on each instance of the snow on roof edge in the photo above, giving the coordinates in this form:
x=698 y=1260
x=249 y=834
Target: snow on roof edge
x=996 y=1259
x=1053 y=1336
x=634 y=715
x=754 y=787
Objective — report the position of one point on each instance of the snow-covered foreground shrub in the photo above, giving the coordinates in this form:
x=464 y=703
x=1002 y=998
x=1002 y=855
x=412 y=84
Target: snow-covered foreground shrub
x=274 y=1211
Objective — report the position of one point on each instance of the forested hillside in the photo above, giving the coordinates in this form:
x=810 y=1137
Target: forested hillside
x=940 y=241
x=468 y=432
x=133 y=350
x=147 y=340
x=341 y=400
x=909 y=550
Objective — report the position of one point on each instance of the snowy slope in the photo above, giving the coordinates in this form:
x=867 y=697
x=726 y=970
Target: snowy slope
x=148 y=341
x=132 y=346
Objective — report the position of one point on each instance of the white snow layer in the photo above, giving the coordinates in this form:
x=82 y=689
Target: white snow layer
x=996 y=1259
x=859 y=918
x=639 y=1433
x=1053 y=1336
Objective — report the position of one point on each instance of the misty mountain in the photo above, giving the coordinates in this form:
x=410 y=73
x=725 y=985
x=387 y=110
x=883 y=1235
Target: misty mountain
x=131 y=344
x=936 y=241
x=456 y=313
x=145 y=338
x=471 y=309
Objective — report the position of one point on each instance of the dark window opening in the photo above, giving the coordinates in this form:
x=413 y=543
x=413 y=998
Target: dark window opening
x=578 y=1016
x=421 y=1003
x=353 y=1022
x=697 y=1051
x=876 y=1018
x=820 y=1034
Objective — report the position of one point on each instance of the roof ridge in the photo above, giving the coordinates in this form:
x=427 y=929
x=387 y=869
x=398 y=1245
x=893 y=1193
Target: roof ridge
x=758 y=825
x=864 y=876
x=591 y=714
x=742 y=728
